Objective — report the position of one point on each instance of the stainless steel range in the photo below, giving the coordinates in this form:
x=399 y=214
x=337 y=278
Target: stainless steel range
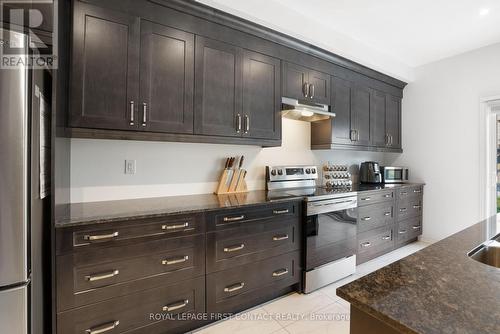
x=329 y=223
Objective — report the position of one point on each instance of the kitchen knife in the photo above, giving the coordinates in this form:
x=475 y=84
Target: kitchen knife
x=241 y=161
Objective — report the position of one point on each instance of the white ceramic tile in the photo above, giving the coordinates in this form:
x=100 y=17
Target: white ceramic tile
x=333 y=319
x=254 y=321
x=297 y=306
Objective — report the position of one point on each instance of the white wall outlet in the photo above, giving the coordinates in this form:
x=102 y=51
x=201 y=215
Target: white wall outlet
x=130 y=167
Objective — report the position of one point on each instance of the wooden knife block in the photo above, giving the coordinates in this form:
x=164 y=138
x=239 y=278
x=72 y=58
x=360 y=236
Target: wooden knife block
x=232 y=181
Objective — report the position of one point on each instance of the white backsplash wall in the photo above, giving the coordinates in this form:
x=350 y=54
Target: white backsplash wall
x=169 y=169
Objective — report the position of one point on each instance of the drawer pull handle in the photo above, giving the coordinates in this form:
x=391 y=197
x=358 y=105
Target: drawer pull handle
x=234 y=219
x=100 y=237
x=280 y=272
x=234 y=287
x=234 y=248
x=366 y=219
x=416 y=227
x=98 y=277
x=175 y=260
x=387 y=237
x=174 y=227
x=404 y=193
x=387 y=195
x=417 y=191
x=366 y=244
x=175 y=306
x=366 y=198
x=104 y=328
x=280 y=237
x=387 y=214
x=417 y=206
x=280 y=212
x=402 y=232
x=403 y=210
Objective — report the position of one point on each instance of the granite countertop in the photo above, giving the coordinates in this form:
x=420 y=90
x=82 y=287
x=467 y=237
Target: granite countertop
x=76 y=214
x=436 y=290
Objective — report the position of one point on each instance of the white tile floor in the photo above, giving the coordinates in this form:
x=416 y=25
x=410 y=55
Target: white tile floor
x=319 y=312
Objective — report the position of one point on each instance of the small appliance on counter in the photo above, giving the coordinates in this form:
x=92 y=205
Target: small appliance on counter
x=369 y=172
x=336 y=176
x=394 y=174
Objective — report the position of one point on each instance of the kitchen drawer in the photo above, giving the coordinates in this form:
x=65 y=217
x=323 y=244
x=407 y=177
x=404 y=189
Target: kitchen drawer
x=411 y=207
x=378 y=196
x=244 y=286
x=375 y=243
x=128 y=314
x=374 y=216
x=233 y=247
x=408 y=230
x=103 y=235
x=409 y=192
x=96 y=275
x=232 y=218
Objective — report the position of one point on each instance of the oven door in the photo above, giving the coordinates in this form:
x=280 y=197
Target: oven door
x=330 y=236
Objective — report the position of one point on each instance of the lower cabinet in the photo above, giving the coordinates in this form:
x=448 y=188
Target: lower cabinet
x=388 y=219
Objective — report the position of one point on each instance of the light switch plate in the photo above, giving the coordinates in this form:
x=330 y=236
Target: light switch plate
x=130 y=167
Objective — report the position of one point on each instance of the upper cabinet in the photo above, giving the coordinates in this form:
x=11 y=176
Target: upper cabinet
x=302 y=83
x=366 y=119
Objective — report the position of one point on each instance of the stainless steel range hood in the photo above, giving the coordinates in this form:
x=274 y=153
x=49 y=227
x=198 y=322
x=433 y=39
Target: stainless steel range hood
x=304 y=110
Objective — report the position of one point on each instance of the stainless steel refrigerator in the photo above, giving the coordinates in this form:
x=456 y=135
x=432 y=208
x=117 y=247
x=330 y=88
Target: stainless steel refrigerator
x=17 y=233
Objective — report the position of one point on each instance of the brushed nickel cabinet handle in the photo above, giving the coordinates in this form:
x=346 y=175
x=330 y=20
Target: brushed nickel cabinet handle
x=280 y=272
x=132 y=112
x=234 y=219
x=365 y=219
x=387 y=196
x=234 y=248
x=311 y=91
x=387 y=237
x=417 y=206
x=238 y=123
x=101 y=276
x=416 y=227
x=103 y=328
x=387 y=214
x=247 y=124
x=366 y=244
x=417 y=191
x=357 y=135
x=144 y=113
x=305 y=89
x=403 y=231
x=353 y=135
x=392 y=140
x=280 y=212
x=174 y=227
x=280 y=237
x=234 y=287
x=404 y=193
x=366 y=198
x=101 y=236
x=175 y=306
x=175 y=260
x=403 y=210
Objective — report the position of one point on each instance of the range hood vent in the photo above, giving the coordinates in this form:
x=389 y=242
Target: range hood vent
x=304 y=110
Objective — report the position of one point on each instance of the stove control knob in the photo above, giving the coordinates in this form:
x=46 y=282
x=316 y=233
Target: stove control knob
x=313 y=170
x=273 y=172
x=308 y=171
x=280 y=172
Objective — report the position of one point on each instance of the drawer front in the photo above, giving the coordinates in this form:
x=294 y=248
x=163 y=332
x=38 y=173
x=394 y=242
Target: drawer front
x=376 y=239
x=96 y=275
x=371 y=197
x=149 y=307
x=231 y=289
x=408 y=230
x=412 y=207
x=232 y=218
x=410 y=192
x=374 y=216
x=122 y=233
x=233 y=247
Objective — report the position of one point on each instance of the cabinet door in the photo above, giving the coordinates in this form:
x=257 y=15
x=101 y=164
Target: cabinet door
x=319 y=87
x=218 y=72
x=341 y=106
x=360 y=114
x=377 y=115
x=294 y=80
x=105 y=69
x=261 y=96
x=167 y=79
x=393 y=120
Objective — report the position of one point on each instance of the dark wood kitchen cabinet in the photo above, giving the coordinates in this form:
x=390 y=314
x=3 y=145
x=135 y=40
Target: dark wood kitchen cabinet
x=378 y=119
x=360 y=115
x=105 y=68
x=305 y=84
x=393 y=121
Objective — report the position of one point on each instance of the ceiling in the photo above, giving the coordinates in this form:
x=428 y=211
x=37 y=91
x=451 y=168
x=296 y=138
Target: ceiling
x=393 y=36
